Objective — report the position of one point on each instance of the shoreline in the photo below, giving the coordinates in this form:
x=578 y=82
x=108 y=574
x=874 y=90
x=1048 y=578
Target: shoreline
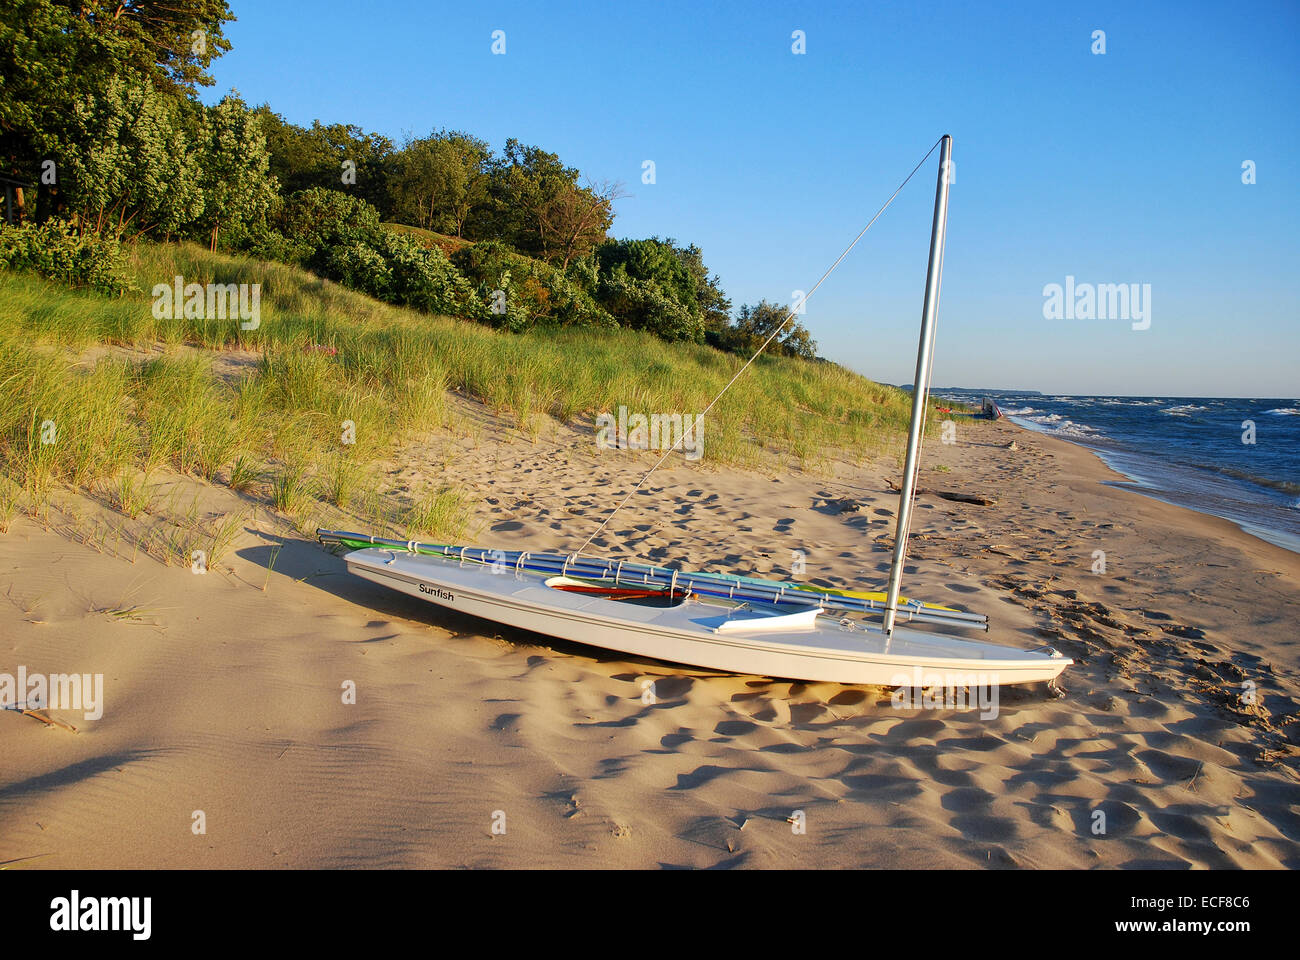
x=1278 y=538
x=1264 y=506
x=222 y=692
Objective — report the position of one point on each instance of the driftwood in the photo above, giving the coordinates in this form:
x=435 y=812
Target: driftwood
x=49 y=721
x=949 y=495
x=846 y=505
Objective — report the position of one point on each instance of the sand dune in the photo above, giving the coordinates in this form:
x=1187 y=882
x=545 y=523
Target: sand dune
x=224 y=692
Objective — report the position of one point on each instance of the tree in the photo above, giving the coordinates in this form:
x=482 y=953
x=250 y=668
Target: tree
x=127 y=161
x=575 y=219
x=533 y=292
x=715 y=306
x=437 y=182
x=238 y=188
x=539 y=208
x=755 y=324
x=798 y=342
x=56 y=53
x=333 y=156
x=175 y=41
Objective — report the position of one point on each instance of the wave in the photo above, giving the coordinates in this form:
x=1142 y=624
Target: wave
x=1286 y=486
x=1057 y=424
x=1285 y=412
x=1184 y=410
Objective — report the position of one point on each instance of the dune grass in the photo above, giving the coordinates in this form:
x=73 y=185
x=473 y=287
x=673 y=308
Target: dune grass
x=338 y=380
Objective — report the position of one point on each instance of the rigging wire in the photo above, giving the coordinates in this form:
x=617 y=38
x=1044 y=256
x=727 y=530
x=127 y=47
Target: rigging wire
x=772 y=336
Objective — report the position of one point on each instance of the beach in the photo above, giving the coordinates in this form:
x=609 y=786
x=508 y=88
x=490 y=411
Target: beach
x=226 y=739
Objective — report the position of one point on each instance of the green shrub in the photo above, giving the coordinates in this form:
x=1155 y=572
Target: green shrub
x=358 y=266
x=422 y=277
x=645 y=304
x=54 y=250
x=264 y=242
x=320 y=219
x=536 y=293
x=342 y=239
x=585 y=273
x=649 y=285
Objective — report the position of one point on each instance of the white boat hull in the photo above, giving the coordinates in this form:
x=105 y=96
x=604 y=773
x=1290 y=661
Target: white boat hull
x=703 y=633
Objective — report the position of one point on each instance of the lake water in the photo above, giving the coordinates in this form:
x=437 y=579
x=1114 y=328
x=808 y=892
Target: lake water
x=1188 y=451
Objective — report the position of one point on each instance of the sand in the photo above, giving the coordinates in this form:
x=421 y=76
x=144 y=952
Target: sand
x=224 y=693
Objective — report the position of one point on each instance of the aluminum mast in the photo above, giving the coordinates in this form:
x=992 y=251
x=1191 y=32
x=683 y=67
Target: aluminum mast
x=921 y=383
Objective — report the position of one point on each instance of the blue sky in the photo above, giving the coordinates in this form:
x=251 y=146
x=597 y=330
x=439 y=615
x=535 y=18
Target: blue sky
x=1117 y=168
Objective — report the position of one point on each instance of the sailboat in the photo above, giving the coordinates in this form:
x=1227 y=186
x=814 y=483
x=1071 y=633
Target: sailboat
x=725 y=622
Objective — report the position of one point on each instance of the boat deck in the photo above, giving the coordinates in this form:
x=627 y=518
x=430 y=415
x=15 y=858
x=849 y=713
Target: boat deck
x=739 y=638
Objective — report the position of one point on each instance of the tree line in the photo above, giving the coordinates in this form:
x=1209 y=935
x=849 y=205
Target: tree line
x=99 y=108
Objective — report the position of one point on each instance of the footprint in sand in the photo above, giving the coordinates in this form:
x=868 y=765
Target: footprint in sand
x=876 y=787
x=986 y=829
x=506 y=721
x=734 y=728
x=671 y=741
x=776 y=712
x=848 y=698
